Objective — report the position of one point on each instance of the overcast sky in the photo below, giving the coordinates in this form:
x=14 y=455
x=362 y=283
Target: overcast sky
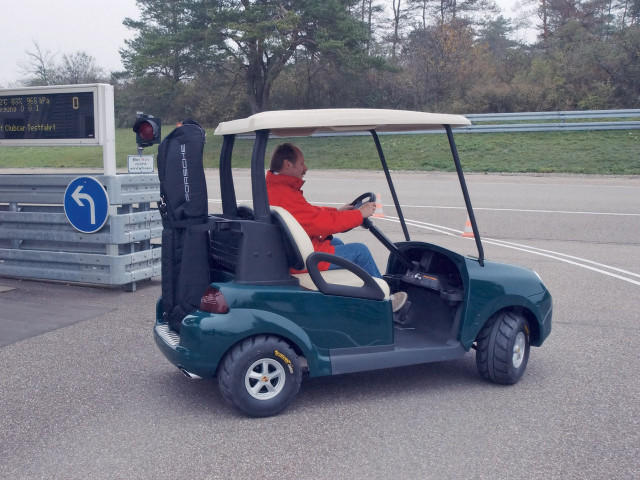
x=69 y=26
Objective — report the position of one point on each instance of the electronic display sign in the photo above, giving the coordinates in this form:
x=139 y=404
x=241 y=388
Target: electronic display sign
x=47 y=116
x=60 y=116
x=50 y=116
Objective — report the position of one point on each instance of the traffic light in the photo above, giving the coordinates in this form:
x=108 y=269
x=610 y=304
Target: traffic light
x=147 y=128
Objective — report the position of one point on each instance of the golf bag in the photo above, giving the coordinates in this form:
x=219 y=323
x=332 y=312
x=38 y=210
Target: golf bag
x=183 y=205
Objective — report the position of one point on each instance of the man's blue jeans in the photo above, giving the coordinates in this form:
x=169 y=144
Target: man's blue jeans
x=358 y=253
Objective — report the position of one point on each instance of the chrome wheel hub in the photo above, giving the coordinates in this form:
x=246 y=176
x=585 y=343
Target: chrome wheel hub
x=265 y=379
x=518 y=350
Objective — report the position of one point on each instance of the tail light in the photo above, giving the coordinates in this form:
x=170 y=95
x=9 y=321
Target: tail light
x=213 y=301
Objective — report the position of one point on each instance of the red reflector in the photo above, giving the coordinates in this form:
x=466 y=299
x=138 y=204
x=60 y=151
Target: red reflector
x=146 y=131
x=213 y=301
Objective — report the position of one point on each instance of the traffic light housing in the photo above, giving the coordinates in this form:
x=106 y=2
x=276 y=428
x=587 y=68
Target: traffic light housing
x=147 y=128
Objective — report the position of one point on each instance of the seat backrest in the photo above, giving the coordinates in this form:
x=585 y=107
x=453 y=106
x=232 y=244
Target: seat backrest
x=342 y=281
x=298 y=238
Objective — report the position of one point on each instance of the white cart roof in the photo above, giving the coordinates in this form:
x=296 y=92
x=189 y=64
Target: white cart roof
x=292 y=123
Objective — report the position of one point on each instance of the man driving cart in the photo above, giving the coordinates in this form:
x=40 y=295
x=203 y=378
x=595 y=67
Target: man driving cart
x=284 y=187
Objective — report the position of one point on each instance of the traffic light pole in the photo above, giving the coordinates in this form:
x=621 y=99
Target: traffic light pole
x=107 y=126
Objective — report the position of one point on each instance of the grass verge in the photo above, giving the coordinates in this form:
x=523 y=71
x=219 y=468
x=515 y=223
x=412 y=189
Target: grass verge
x=611 y=152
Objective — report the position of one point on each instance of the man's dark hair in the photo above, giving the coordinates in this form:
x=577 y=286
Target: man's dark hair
x=286 y=151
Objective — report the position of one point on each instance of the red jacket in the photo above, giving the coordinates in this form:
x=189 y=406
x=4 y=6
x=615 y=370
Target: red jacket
x=319 y=222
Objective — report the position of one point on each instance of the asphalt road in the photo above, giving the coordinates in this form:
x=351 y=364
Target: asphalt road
x=94 y=398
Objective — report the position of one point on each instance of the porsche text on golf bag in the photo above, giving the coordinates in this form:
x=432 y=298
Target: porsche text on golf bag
x=183 y=205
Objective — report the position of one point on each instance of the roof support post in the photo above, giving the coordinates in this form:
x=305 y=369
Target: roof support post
x=258 y=181
x=465 y=193
x=383 y=161
x=227 y=190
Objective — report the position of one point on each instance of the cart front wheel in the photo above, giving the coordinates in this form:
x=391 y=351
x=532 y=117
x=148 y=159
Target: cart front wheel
x=502 y=348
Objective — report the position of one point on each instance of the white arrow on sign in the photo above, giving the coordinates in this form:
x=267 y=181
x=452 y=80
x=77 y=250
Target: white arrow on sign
x=77 y=196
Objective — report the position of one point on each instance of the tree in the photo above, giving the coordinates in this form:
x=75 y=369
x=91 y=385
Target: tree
x=555 y=14
x=369 y=10
x=259 y=37
x=454 y=10
x=172 y=49
x=76 y=68
x=629 y=12
x=40 y=66
x=222 y=59
x=182 y=40
x=399 y=16
x=172 y=40
x=79 y=68
x=495 y=34
x=422 y=7
x=442 y=64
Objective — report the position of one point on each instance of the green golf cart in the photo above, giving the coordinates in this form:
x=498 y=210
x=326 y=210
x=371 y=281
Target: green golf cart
x=259 y=327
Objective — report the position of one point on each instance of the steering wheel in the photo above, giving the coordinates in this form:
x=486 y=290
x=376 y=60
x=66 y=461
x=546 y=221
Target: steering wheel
x=361 y=200
x=358 y=202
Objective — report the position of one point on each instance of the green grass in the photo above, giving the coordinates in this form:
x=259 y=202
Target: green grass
x=614 y=152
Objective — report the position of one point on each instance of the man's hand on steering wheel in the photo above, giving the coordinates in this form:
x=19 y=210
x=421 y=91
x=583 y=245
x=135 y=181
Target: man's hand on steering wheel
x=368 y=209
x=366 y=203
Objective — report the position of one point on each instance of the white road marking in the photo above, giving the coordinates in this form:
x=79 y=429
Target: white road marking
x=490 y=209
x=562 y=257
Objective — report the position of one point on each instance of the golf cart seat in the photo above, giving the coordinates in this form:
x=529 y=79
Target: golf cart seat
x=349 y=281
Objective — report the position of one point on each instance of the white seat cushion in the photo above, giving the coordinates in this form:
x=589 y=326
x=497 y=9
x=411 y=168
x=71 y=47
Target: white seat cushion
x=299 y=236
x=305 y=247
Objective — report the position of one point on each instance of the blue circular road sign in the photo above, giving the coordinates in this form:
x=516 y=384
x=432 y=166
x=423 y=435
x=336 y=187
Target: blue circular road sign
x=86 y=204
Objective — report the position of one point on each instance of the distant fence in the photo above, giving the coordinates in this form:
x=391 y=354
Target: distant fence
x=553 y=121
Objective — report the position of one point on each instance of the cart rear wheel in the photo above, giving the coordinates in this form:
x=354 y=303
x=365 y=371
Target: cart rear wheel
x=502 y=349
x=260 y=376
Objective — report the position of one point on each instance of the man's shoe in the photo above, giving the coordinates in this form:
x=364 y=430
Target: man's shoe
x=398 y=300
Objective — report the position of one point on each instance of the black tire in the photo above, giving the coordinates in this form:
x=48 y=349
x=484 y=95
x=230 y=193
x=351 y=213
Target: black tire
x=502 y=348
x=260 y=376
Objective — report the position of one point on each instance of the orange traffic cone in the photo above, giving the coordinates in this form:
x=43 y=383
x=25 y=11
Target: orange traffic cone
x=378 y=213
x=468 y=229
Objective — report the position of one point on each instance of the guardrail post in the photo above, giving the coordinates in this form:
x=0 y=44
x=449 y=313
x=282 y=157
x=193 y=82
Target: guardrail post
x=15 y=243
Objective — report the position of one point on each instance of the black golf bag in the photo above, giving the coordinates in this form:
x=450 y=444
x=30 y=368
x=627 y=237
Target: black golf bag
x=183 y=205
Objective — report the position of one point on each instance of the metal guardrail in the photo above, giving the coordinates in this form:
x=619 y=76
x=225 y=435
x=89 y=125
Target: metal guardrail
x=552 y=121
x=38 y=241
